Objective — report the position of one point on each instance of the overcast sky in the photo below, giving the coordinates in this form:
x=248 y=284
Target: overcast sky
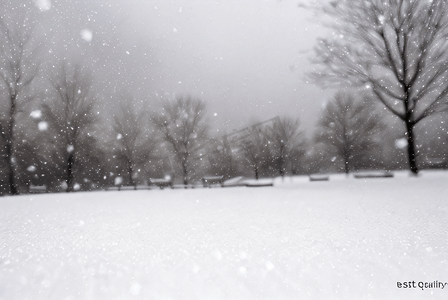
x=245 y=58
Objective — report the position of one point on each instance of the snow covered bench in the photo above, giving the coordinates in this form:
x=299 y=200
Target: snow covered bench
x=319 y=177
x=37 y=189
x=161 y=182
x=373 y=174
x=127 y=188
x=212 y=180
x=121 y=188
x=262 y=182
x=234 y=182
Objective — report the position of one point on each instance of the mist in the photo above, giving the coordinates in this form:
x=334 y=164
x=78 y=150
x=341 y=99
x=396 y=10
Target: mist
x=244 y=59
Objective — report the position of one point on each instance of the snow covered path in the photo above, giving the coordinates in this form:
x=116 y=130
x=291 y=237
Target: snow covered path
x=341 y=239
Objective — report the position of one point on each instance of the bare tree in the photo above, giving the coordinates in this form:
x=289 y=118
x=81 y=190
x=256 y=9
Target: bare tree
x=271 y=146
x=135 y=141
x=91 y=167
x=70 y=117
x=222 y=162
x=397 y=48
x=19 y=67
x=30 y=163
x=182 y=126
x=349 y=131
x=288 y=144
x=255 y=153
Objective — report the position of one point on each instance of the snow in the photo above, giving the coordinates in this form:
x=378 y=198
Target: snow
x=31 y=168
x=36 y=114
x=43 y=5
x=87 y=35
x=345 y=238
x=401 y=143
x=42 y=126
x=70 y=148
x=118 y=180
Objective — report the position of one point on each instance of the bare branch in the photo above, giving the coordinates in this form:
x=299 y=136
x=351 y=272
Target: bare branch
x=374 y=39
x=183 y=127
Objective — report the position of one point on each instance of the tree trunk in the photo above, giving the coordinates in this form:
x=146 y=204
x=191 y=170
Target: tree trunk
x=131 y=180
x=346 y=150
x=411 y=147
x=7 y=135
x=70 y=163
x=256 y=172
x=12 y=186
x=9 y=146
x=185 y=173
x=347 y=164
x=282 y=165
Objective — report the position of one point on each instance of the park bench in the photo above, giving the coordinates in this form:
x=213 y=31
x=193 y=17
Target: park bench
x=121 y=188
x=208 y=181
x=259 y=184
x=37 y=189
x=161 y=182
x=262 y=182
x=373 y=174
x=318 y=177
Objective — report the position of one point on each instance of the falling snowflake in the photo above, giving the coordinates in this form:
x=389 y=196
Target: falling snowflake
x=135 y=289
x=43 y=126
x=269 y=265
x=401 y=143
x=43 y=5
x=86 y=35
x=31 y=169
x=196 y=269
x=118 y=180
x=36 y=114
x=217 y=254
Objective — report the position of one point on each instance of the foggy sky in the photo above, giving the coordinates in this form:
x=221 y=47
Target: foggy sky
x=246 y=59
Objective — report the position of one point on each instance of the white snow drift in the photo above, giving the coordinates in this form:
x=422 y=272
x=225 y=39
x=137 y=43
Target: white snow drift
x=340 y=239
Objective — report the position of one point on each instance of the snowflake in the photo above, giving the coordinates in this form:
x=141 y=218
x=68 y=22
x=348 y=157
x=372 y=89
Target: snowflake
x=86 y=35
x=43 y=126
x=43 y=5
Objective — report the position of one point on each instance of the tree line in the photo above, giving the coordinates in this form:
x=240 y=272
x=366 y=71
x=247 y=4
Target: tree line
x=57 y=146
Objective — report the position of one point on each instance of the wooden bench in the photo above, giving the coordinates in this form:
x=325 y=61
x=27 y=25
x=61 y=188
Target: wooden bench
x=212 y=180
x=259 y=184
x=37 y=189
x=121 y=188
x=161 y=182
x=373 y=174
x=318 y=177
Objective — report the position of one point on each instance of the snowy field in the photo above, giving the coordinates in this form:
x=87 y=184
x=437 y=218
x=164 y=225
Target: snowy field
x=340 y=239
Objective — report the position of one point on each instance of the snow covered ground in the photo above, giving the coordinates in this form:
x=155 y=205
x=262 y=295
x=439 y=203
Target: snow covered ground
x=344 y=238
